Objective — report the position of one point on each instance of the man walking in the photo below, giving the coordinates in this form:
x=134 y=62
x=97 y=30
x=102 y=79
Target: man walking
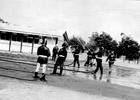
x=76 y=53
x=99 y=63
x=89 y=59
x=111 y=59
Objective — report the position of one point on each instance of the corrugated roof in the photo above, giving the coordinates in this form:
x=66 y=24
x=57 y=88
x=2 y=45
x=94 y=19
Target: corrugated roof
x=31 y=31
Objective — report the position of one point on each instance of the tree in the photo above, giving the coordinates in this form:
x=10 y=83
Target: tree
x=129 y=48
x=103 y=40
x=78 y=41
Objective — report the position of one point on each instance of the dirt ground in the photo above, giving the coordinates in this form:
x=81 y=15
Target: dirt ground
x=14 y=85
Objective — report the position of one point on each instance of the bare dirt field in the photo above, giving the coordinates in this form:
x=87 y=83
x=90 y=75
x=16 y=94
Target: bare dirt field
x=16 y=84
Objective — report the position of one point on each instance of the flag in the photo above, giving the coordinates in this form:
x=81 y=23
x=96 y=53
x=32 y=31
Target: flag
x=66 y=38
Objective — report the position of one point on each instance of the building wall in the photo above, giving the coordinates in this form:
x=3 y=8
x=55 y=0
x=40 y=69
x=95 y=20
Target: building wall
x=26 y=44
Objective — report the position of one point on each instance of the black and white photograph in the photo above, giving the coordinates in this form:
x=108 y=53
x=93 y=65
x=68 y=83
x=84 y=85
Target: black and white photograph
x=69 y=49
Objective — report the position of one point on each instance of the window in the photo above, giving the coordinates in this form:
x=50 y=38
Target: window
x=8 y=36
x=36 y=40
x=3 y=36
x=18 y=38
x=14 y=37
x=30 y=39
x=25 y=39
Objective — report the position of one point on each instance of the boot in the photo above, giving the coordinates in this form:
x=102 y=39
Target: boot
x=74 y=64
x=94 y=76
x=61 y=70
x=36 y=75
x=43 y=78
x=54 y=70
x=100 y=78
x=78 y=66
x=109 y=73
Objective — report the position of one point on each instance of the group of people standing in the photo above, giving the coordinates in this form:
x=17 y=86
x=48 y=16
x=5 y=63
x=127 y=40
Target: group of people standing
x=60 y=55
x=43 y=53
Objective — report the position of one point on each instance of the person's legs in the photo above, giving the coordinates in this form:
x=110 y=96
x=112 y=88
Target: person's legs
x=101 y=69
x=97 y=68
x=37 y=70
x=110 y=67
x=101 y=72
x=54 y=56
x=93 y=61
x=44 y=66
x=74 y=61
x=37 y=67
x=78 y=62
x=90 y=62
x=56 y=65
x=61 y=68
x=87 y=63
x=55 y=69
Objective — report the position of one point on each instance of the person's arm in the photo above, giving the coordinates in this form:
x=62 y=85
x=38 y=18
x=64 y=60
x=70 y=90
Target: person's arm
x=107 y=58
x=38 y=51
x=65 y=55
x=53 y=50
x=114 y=58
x=48 y=55
x=57 y=50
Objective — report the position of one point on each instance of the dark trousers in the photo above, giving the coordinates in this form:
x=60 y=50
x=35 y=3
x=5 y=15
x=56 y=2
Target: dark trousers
x=54 y=56
x=88 y=62
x=76 y=60
x=99 y=66
x=110 y=63
x=59 y=62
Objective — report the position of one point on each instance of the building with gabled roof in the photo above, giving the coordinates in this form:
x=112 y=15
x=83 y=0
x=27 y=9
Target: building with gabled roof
x=26 y=39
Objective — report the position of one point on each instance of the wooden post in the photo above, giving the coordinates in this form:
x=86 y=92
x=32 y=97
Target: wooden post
x=10 y=40
x=56 y=41
x=0 y=35
x=32 y=45
x=21 y=43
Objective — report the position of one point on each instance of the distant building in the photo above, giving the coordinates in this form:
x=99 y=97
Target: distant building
x=26 y=41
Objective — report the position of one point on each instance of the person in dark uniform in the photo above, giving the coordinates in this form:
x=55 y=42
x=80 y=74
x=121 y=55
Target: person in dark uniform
x=89 y=59
x=76 y=53
x=62 y=55
x=99 y=55
x=111 y=59
x=93 y=58
x=55 y=52
x=43 y=53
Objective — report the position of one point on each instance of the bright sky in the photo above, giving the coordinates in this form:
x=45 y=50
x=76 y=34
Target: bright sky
x=77 y=17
